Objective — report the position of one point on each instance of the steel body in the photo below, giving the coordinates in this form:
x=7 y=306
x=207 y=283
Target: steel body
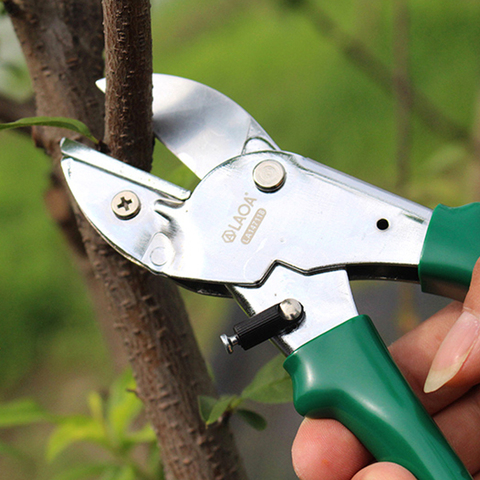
x=305 y=235
x=264 y=226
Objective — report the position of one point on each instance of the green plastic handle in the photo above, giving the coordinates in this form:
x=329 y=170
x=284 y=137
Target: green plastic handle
x=347 y=374
x=450 y=250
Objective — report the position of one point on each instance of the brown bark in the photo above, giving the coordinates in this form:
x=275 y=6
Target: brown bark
x=11 y=110
x=128 y=69
x=65 y=58
x=168 y=366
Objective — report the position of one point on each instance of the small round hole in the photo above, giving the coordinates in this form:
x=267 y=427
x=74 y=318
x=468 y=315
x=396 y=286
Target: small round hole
x=383 y=224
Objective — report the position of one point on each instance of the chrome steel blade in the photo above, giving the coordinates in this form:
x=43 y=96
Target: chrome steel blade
x=201 y=126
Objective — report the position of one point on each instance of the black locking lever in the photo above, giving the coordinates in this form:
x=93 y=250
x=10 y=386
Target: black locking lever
x=280 y=318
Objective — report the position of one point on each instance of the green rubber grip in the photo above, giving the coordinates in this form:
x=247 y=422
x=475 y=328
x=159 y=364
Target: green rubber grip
x=450 y=250
x=348 y=374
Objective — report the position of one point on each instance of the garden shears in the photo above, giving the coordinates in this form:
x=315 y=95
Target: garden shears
x=284 y=235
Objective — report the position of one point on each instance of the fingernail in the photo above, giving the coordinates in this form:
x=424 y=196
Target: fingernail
x=453 y=351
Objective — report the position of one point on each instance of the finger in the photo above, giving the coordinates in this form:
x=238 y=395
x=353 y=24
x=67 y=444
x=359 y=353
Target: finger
x=326 y=450
x=461 y=426
x=384 y=471
x=415 y=351
x=459 y=343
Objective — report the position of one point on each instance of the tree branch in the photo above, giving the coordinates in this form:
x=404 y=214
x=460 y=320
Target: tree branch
x=128 y=56
x=65 y=59
x=64 y=66
x=166 y=360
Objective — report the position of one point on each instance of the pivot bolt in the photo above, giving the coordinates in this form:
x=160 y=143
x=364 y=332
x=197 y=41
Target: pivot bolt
x=125 y=205
x=269 y=176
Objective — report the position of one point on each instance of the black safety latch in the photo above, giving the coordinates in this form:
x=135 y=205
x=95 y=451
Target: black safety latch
x=280 y=318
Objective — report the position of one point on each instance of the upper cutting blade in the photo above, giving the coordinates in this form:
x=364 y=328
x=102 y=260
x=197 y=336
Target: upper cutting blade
x=201 y=126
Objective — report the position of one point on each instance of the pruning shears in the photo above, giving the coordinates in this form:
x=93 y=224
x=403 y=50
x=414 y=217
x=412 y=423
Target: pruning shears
x=284 y=235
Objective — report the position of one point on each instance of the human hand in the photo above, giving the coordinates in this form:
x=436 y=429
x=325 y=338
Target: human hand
x=442 y=357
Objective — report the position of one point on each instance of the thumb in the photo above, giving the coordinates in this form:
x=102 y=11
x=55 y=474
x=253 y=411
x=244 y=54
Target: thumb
x=384 y=471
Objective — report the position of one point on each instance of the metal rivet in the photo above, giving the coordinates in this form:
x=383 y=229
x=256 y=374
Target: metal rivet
x=269 y=175
x=291 y=309
x=158 y=256
x=125 y=205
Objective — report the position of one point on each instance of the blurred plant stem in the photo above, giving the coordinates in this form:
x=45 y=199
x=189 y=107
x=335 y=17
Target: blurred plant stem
x=403 y=92
x=475 y=148
x=407 y=315
x=359 y=55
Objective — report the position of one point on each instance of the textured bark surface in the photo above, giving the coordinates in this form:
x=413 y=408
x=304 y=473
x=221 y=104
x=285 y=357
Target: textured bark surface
x=64 y=57
x=11 y=110
x=128 y=69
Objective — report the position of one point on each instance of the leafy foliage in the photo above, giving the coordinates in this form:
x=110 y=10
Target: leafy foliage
x=111 y=425
x=22 y=412
x=271 y=384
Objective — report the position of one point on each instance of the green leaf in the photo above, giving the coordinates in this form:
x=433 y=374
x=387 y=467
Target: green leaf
x=73 y=430
x=23 y=412
x=120 y=473
x=59 y=122
x=211 y=409
x=123 y=405
x=206 y=404
x=254 y=419
x=144 y=435
x=82 y=471
x=271 y=384
x=95 y=404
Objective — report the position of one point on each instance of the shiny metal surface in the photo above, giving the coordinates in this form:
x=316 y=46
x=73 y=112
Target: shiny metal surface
x=228 y=232
x=100 y=161
x=302 y=235
x=125 y=205
x=95 y=179
x=269 y=175
x=200 y=125
x=229 y=342
x=291 y=309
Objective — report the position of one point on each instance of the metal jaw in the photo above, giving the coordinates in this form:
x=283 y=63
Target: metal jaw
x=263 y=224
x=231 y=230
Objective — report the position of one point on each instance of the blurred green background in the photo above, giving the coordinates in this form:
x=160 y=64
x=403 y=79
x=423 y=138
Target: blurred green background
x=294 y=66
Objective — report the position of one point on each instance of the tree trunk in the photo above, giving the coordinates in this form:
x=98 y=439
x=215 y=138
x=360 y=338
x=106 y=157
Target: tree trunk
x=63 y=44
